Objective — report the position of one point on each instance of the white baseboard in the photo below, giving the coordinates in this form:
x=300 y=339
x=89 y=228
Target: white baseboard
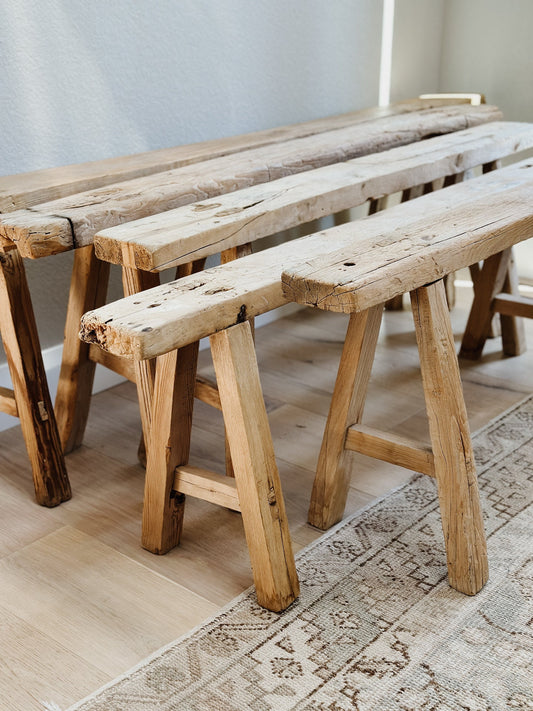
x=104 y=378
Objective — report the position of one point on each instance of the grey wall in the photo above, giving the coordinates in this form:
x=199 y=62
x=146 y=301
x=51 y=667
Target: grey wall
x=487 y=47
x=86 y=80
x=417 y=47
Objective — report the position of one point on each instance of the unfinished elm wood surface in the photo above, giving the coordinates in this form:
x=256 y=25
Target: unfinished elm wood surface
x=38 y=186
x=454 y=467
x=199 y=229
x=497 y=215
x=175 y=314
x=64 y=224
x=31 y=399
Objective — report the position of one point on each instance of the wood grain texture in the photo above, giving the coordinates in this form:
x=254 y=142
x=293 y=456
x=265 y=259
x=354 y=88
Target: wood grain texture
x=135 y=281
x=32 y=188
x=332 y=480
x=8 y=403
x=34 y=406
x=207 y=485
x=169 y=441
x=462 y=520
x=406 y=253
x=177 y=313
x=512 y=326
x=86 y=213
x=97 y=576
x=234 y=219
x=511 y=305
x=488 y=284
x=402 y=451
x=256 y=473
x=88 y=289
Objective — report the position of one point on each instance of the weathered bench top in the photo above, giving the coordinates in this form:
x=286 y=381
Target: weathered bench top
x=61 y=225
x=392 y=252
x=38 y=186
x=197 y=230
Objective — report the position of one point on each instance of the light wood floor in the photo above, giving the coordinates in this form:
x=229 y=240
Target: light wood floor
x=81 y=602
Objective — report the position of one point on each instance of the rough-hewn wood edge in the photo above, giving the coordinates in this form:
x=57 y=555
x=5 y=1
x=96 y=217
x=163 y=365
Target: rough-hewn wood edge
x=36 y=234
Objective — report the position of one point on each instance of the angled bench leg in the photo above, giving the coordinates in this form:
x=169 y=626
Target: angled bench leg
x=168 y=447
x=454 y=467
x=88 y=289
x=332 y=480
x=512 y=327
x=490 y=281
x=256 y=473
x=34 y=406
x=229 y=255
x=134 y=281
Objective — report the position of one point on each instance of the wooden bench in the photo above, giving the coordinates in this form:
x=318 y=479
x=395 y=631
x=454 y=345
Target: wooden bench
x=357 y=280
x=51 y=211
x=166 y=322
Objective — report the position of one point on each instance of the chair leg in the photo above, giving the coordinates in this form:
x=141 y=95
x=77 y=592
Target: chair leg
x=88 y=289
x=332 y=480
x=34 y=405
x=462 y=521
x=256 y=473
x=489 y=282
x=168 y=447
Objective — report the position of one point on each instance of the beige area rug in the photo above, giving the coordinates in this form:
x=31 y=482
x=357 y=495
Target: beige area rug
x=376 y=626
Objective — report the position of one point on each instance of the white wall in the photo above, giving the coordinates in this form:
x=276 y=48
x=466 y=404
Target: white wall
x=487 y=47
x=416 y=47
x=86 y=80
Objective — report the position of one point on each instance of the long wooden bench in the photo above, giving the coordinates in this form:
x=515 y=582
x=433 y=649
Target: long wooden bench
x=167 y=321
x=51 y=211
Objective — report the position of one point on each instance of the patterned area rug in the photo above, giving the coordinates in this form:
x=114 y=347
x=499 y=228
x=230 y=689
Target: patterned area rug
x=377 y=627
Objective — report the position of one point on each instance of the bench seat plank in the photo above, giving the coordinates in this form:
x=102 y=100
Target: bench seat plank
x=86 y=213
x=39 y=186
x=351 y=279
x=200 y=229
x=170 y=316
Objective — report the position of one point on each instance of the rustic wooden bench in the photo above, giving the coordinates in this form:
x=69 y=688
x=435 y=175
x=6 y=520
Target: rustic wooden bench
x=414 y=258
x=216 y=302
x=51 y=211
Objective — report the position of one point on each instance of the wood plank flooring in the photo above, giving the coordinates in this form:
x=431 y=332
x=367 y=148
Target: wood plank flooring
x=81 y=602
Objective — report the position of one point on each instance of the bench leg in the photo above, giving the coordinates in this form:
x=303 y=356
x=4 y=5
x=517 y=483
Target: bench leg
x=512 y=327
x=134 y=281
x=462 y=521
x=34 y=405
x=168 y=447
x=256 y=473
x=332 y=480
x=490 y=281
x=229 y=255
x=88 y=289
